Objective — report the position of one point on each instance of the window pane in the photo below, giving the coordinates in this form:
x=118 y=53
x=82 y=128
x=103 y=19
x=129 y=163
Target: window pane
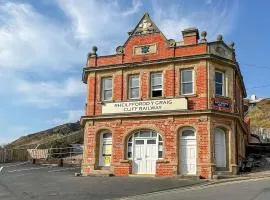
x=134 y=81
x=129 y=148
x=157 y=87
x=107 y=83
x=219 y=77
x=159 y=138
x=219 y=89
x=154 y=134
x=157 y=93
x=187 y=133
x=156 y=79
x=129 y=154
x=160 y=154
x=187 y=76
x=151 y=141
x=134 y=93
x=187 y=88
x=145 y=134
x=108 y=95
x=107 y=135
x=139 y=141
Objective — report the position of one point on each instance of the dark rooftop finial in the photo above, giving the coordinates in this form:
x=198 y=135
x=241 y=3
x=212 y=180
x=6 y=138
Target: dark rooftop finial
x=203 y=34
x=232 y=45
x=219 y=38
x=94 y=49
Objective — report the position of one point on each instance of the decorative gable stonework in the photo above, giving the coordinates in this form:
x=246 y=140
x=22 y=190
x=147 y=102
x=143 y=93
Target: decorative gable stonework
x=145 y=49
x=145 y=26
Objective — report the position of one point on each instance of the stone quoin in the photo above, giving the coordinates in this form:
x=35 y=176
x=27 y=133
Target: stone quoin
x=163 y=107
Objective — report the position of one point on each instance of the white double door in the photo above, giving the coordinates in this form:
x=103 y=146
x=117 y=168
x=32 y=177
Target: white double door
x=145 y=156
x=188 y=158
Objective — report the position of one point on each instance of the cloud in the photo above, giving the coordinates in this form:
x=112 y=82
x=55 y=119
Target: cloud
x=29 y=40
x=46 y=94
x=98 y=21
x=70 y=116
x=215 y=18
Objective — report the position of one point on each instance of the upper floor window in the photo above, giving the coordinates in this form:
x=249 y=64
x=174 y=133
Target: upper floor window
x=156 y=84
x=187 y=81
x=107 y=89
x=219 y=83
x=134 y=86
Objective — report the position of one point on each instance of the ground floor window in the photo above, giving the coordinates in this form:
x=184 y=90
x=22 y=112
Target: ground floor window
x=105 y=154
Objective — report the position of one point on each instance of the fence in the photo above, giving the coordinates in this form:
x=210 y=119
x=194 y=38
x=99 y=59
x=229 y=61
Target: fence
x=67 y=153
x=11 y=155
x=263 y=133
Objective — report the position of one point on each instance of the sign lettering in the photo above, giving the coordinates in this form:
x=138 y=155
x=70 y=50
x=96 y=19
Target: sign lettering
x=145 y=106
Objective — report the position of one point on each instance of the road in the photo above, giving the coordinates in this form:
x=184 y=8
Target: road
x=257 y=189
x=23 y=181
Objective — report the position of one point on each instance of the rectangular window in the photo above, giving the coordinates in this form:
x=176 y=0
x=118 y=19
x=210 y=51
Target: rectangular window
x=134 y=86
x=187 y=81
x=107 y=89
x=156 y=84
x=219 y=84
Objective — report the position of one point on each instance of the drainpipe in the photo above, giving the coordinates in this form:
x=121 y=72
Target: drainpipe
x=235 y=128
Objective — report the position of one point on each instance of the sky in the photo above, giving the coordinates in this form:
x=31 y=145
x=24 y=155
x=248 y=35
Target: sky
x=44 y=43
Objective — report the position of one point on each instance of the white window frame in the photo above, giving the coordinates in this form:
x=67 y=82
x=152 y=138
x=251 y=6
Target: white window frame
x=159 y=143
x=130 y=88
x=151 y=86
x=222 y=84
x=103 y=89
x=181 y=82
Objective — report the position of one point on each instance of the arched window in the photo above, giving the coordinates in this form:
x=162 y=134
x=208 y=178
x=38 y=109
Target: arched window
x=150 y=136
x=105 y=153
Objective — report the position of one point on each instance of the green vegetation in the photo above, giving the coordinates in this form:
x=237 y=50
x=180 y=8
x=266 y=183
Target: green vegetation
x=59 y=136
x=260 y=114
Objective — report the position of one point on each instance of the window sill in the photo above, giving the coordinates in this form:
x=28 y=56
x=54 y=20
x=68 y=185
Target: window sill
x=162 y=160
x=105 y=101
x=156 y=98
x=134 y=99
x=222 y=97
x=187 y=95
x=125 y=161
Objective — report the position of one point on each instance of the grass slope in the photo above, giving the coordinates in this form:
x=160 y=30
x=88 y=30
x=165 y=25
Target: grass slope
x=59 y=136
x=260 y=114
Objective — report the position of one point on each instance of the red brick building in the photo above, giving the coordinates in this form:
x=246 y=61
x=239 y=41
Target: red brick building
x=163 y=107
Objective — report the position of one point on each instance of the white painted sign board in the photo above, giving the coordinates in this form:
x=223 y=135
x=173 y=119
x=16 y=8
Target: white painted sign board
x=145 y=106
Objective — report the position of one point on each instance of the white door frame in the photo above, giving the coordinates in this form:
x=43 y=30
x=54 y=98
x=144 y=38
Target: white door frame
x=103 y=141
x=145 y=161
x=193 y=142
x=221 y=154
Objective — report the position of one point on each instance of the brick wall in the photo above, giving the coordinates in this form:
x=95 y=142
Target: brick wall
x=169 y=129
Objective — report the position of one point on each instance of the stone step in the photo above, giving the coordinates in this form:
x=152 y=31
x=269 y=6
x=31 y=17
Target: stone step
x=224 y=176
x=101 y=172
x=222 y=173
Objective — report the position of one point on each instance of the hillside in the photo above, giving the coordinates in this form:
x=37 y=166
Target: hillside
x=260 y=114
x=59 y=136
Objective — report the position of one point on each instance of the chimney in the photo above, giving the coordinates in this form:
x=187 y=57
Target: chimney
x=190 y=36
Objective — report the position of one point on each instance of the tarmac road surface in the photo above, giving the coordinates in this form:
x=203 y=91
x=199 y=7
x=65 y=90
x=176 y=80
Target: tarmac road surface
x=256 y=189
x=22 y=181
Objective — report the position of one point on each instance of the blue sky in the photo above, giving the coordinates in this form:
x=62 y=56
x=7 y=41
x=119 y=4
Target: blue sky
x=43 y=47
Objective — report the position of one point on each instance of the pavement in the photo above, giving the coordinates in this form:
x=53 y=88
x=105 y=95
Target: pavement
x=27 y=181
x=249 y=189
